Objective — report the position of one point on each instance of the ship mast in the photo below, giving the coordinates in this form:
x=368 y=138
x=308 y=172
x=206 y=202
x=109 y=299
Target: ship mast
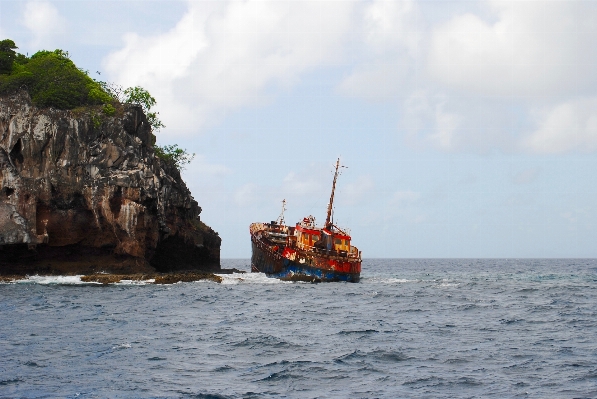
x=328 y=218
x=281 y=220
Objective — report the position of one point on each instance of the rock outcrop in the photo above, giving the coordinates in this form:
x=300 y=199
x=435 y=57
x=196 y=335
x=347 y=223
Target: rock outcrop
x=81 y=192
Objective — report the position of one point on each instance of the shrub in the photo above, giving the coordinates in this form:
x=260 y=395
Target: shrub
x=96 y=120
x=51 y=78
x=140 y=96
x=175 y=155
x=109 y=110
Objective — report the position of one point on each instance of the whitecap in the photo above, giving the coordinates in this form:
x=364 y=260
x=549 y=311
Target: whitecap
x=248 y=278
x=69 y=280
x=136 y=282
x=448 y=283
x=121 y=346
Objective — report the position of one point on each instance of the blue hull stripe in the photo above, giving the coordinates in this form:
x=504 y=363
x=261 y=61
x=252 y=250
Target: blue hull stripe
x=292 y=269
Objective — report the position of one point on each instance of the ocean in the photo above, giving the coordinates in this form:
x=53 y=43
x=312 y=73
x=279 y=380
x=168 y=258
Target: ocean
x=418 y=328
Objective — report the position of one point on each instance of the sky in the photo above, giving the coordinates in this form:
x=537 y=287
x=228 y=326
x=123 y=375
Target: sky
x=469 y=129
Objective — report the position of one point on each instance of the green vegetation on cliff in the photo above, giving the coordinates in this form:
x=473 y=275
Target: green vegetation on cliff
x=175 y=155
x=50 y=77
x=53 y=80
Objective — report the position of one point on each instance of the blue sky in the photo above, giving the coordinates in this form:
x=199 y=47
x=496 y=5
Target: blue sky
x=469 y=128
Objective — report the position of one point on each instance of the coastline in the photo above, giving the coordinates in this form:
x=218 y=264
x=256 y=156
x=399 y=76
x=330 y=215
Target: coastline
x=149 y=278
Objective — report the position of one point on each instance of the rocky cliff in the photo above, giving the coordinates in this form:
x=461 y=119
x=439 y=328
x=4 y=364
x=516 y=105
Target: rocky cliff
x=81 y=192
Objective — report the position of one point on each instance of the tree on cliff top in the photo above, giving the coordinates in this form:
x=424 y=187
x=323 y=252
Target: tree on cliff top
x=175 y=155
x=50 y=77
x=7 y=55
x=140 y=96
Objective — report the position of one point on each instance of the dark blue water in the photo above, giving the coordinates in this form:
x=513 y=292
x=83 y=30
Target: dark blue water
x=410 y=329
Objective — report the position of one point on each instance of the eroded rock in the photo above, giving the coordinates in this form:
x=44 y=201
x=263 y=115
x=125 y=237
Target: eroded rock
x=79 y=196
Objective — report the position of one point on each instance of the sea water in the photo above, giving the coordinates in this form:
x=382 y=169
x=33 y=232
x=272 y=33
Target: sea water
x=409 y=329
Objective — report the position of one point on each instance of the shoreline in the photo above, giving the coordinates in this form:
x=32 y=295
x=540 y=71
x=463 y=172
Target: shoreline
x=110 y=278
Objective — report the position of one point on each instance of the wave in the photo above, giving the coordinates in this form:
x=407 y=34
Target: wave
x=73 y=280
x=350 y=332
x=121 y=346
x=281 y=375
x=45 y=280
x=10 y=381
x=250 y=278
x=266 y=341
x=206 y=396
x=76 y=280
x=31 y=363
x=386 y=280
x=379 y=355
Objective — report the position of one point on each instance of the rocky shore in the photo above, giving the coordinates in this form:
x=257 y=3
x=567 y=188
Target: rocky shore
x=84 y=193
x=152 y=278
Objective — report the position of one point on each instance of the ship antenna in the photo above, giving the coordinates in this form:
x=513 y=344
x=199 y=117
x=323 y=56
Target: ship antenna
x=328 y=218
x=281 y=220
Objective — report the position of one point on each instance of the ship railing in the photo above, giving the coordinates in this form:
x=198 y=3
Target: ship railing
x=353 y=254
x=255 y=227
x=264 y=247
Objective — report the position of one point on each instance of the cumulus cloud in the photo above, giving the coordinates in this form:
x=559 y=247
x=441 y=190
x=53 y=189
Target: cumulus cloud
x=492 y=74
x=569 y=126
x=224 y=55
x=430 y=123
x=530 y=49
x=460 y=83
x=389 y=43
x=43 y=21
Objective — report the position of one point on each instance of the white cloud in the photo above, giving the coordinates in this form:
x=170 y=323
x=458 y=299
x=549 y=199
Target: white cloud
x=224 y=55
x=428 y=113
x=530 y=49
x=388 y=24
x=506 y=67
x=459 y=80
x=570 y=126
x=390 y=44
x=44 y=21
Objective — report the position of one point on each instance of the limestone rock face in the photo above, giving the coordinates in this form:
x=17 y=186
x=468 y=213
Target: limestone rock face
x=81 y=192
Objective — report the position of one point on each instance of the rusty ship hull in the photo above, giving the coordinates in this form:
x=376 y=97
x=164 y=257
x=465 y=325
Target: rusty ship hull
x=305 y=252
x=293 y=264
